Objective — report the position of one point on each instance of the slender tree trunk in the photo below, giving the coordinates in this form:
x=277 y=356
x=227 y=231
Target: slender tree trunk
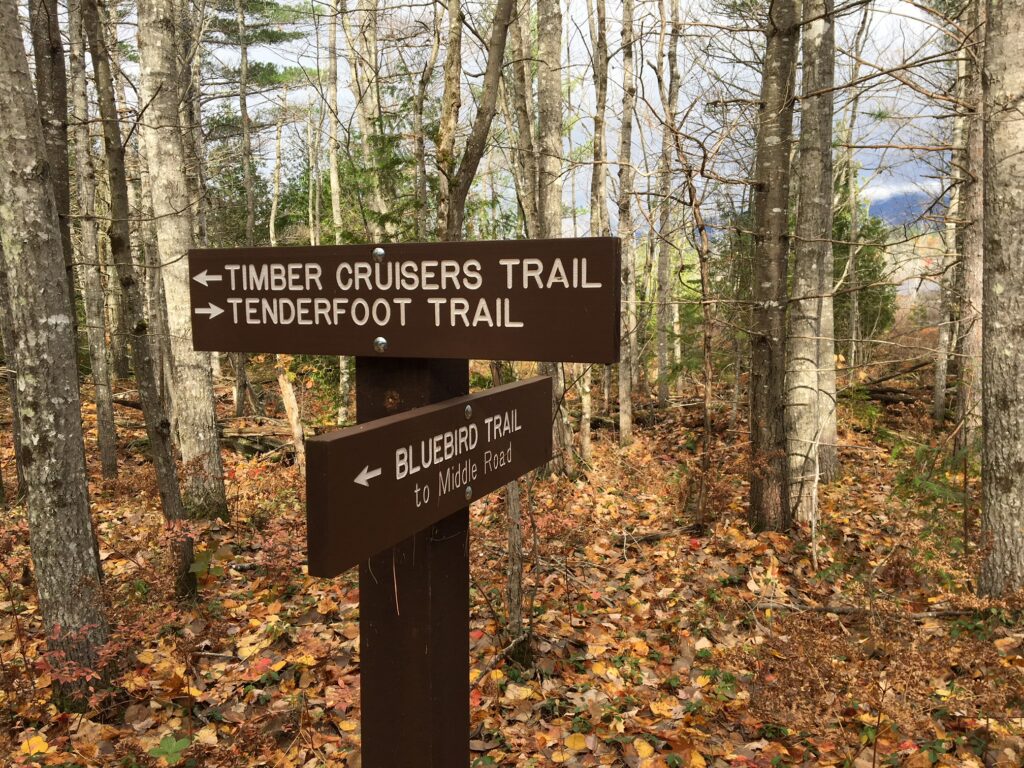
x=52 y=92
x=628 y=351
x=92 y=279
x=275 y=186
x=419 y=137
x=195 y=417
x=521 y=91
x=1003 y=376
x=158 y=428
x=501 y=373
x=769 y=488
x=950 y=256
x=969 y=407
x=332 y=121
x=282 y=363
x=451 y=101
x=238 y=359
x=599 y=226
x=813 y=239
x=666 y=241
x=549 y=195
x=7 y=339
x=64 y=551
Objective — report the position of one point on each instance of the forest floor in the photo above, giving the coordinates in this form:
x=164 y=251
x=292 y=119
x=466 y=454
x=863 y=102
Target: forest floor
x=660 y=640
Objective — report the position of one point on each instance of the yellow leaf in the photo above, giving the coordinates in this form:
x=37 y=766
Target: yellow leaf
x=599 y=668
x=43 y=681
x=643 y=748
x=560 y=756
x=497 y=675
x=278 y=666
x=702 y=681
x=35 y=745
x=664 y=707
x=348 y=725
x=207 y=736
x=576 y=742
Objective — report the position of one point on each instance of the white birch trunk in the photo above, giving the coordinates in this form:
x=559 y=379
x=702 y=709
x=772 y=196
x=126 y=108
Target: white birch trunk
x=811 y=254
x=194 y=414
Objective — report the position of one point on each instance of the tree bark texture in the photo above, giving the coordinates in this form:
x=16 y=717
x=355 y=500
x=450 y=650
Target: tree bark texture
x=625 y=227
x=7 y=339
x=813 y=241
x=549 y=196
x=64 y=550
x=194 y=415
x=52 y=91
x=158 y=427
x=969 y=407
x=666 y=239
x=769 y=487
x=1003 y=360
x=89 y=267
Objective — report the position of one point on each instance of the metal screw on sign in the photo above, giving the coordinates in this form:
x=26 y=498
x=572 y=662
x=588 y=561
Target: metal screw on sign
x=378 y=254
x=380 y=344
x=469 y=492
x=469 y=412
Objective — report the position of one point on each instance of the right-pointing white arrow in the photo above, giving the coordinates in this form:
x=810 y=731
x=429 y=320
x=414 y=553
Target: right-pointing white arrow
x=211 y=311
x=366 y=475
x=206 y=278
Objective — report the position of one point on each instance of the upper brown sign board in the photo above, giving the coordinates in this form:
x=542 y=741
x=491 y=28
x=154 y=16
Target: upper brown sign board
x=548 y=300
x=370 y=486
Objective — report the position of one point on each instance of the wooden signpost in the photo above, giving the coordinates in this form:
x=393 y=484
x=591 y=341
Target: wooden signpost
x=392 y=493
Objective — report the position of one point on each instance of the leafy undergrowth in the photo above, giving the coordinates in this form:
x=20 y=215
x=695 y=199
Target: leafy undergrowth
x=660 y=639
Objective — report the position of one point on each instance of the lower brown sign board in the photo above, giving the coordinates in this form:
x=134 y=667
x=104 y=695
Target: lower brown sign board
x=373 y=485
x=548 y=300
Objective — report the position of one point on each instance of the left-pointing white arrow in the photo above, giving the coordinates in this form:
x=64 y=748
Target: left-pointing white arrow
x=366 y=475
x=211 y=311
x=206 y=278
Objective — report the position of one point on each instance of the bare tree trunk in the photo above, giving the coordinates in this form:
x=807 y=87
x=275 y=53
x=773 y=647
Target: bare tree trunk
x=332 y=122
x=628 y=351
x=419 y=137
x=194 y=414
x=813 y=241
x=451 y=101
x=476 y=143
x=1003 y=376
x=158 y=428
x=238 y=360
x=92 y=279
x=599 y=226
x=769 y=488
x=363 y=62
x=521 y=90
x=969 y=407
x=64 y=550
x=283 y=362
x=52 y=92
x=335 y=179
x=501 y=373
x=549 y=196
x=7 y=339
x=950 y=256
x=666 y=242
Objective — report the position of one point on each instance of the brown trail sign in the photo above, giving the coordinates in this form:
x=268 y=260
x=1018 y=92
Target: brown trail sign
x=419 y=466
x=550 y=300
x=414 y=314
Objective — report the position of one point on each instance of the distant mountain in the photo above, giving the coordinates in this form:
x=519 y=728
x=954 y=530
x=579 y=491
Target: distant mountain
x=902 y=208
